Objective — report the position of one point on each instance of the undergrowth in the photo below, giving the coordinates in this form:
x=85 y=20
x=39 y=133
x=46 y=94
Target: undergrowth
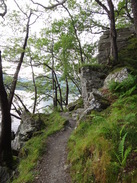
x=35 y=147
x=106 y=143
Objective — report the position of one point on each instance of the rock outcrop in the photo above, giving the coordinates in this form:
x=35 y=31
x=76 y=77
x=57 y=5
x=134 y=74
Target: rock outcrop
x=123 y=37
x=92 y=77
x=91 y=83
x=26 y=129
x=116 y=76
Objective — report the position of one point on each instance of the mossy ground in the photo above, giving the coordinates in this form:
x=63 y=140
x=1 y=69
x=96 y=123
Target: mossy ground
x=106 y=142
x=34 y=148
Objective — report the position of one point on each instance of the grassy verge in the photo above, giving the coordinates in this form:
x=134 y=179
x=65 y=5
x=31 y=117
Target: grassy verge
x=34 y=148
x=106 y=143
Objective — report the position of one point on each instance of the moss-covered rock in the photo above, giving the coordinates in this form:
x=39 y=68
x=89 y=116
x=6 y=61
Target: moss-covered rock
x=117 y=75
x=75 y=105
x=29 y=125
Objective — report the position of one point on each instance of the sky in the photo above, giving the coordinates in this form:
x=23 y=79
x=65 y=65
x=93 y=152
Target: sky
x=45 y=20
x=6 y=32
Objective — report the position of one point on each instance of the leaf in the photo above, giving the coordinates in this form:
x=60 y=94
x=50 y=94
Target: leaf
x=128 y=150
x=121 y=147
x=118 y=157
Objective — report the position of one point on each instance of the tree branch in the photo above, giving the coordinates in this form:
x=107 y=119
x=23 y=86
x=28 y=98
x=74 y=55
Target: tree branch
x=15 y=78
x=102 y=5
x=5 y=9
x=15 y=116
x=128 y=14
x=20 y=8
x=49 y=7
x=75 y=31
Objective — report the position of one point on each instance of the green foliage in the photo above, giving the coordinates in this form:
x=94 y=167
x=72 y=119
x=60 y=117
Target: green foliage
x=126 y=87
x=121 y=14
x=122 y=153
x=35 y=147
x=103 y=144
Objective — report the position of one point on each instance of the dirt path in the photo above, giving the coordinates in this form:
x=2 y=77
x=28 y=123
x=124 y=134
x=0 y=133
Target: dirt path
x=53 y=168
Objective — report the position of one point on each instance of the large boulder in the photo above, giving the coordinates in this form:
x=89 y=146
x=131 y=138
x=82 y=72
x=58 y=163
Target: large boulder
x=26 y=129
x=117 y=75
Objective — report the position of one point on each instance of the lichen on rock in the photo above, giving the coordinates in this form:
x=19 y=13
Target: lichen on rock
x=29 y=125
x=117 y=76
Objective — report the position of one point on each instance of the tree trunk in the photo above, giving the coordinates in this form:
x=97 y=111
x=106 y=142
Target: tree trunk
x=35 y=87
x=5 y=141
x=56 y=96
x=113 y=33
x=15 y=78
x=134 y=10
x=57 y=86
x=54 y=87
x=67 y=91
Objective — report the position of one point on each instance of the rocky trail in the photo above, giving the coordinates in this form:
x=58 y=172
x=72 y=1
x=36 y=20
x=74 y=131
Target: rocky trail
x=53 y=168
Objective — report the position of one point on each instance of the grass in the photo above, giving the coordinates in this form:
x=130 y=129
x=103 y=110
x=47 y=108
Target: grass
x=106 y=143
x=34 y=148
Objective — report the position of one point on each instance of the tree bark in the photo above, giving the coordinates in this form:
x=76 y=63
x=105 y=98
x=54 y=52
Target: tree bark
x=54 y=87
x=113 y=33
x=5 y=141
x=67 y=91
x=35 y=87
x=134 y=10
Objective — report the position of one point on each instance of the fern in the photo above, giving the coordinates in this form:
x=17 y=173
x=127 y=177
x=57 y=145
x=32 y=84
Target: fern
x=121 y=147
x=122 y=129
x=128 y=150
x=125 y=88
x=122 y=153
x=129 y=92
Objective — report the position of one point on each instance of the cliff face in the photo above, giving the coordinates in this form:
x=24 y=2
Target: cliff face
x=123 y=37
x=93 y=81
x=92 y=77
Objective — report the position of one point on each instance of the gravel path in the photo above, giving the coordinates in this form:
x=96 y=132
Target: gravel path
x=53 y=168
